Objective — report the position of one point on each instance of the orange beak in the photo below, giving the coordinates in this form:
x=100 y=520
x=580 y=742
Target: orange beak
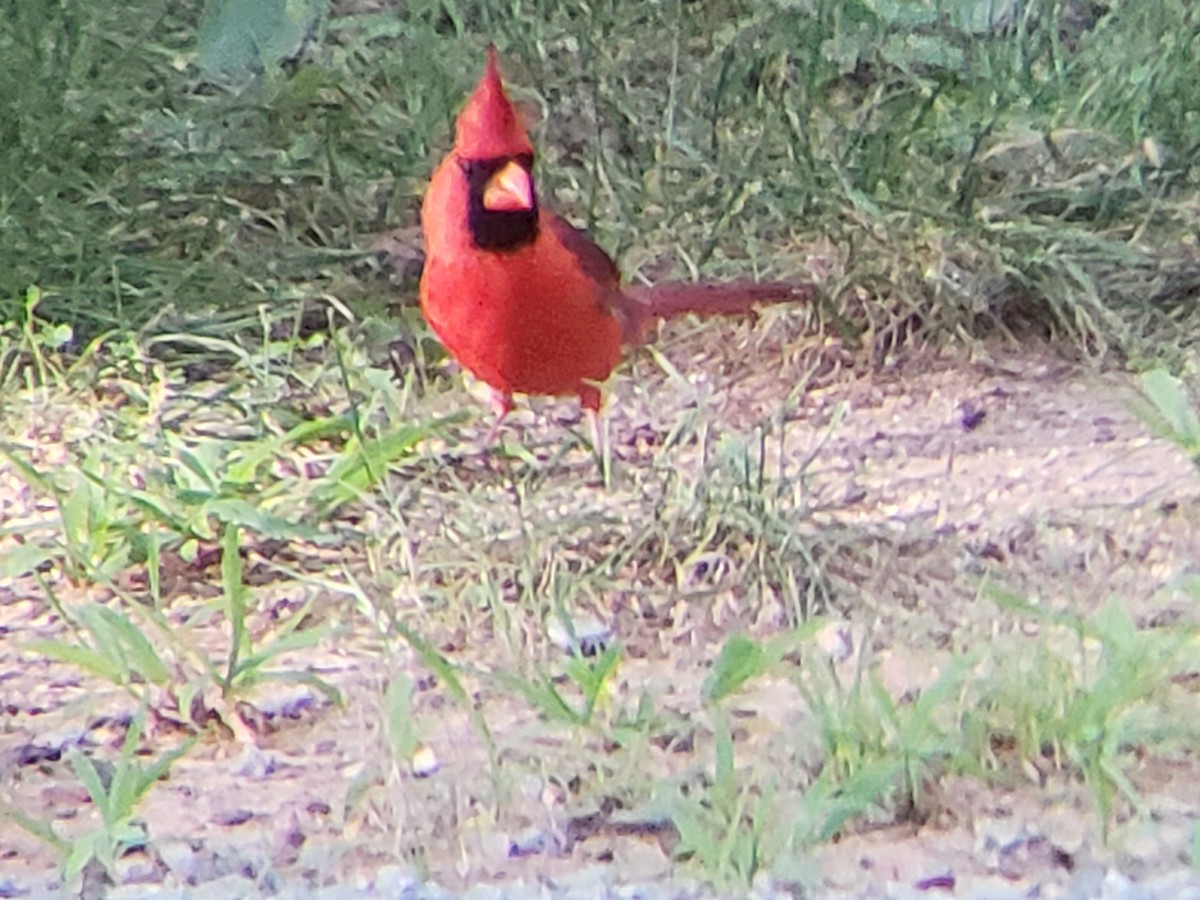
x=509 y=190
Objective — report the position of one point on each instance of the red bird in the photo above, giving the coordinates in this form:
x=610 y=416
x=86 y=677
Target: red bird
x=522 y=299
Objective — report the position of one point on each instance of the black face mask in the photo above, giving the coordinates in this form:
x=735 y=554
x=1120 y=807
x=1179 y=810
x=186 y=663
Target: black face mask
x=497 y=230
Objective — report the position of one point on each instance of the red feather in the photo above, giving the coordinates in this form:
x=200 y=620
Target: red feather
x=523 y=300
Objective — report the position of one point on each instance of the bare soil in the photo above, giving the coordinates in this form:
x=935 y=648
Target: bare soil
x=937 y=472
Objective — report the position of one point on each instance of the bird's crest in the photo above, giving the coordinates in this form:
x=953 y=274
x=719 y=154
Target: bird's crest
x=488 y=126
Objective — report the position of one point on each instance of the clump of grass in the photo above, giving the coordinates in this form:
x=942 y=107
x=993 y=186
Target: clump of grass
x=1089 y=708
x=115 y=790
x=976 y=173
x=162 y=479
x=1105 y=694
x=1169 y=414
x=1022 y=167
x=135 y=183
x=150 y=505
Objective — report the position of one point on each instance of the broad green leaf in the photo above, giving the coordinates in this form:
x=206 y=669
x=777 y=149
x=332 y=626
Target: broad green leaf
x=398 y=717
x=1171 y=401
x=593 y=674
x=83 y=851
x=865 y=788
x=239 y=37
x=360 y=466
x=159 y=508
x=234 y=594
x=299 y=640
x=75 y=508
x=245 y=469
x=43 y=831
x=86 y=772
x=138 y=651
x=741 y=659
x=247 y=515
x=99 y=664
x=125 y=787
x=163 y=765
x=445 y=672
x=24 y=558
x=202 y=462
x=543 y=696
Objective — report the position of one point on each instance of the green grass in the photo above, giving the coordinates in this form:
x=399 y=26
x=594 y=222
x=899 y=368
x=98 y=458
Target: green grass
x=1088 y=707
x=978 y=175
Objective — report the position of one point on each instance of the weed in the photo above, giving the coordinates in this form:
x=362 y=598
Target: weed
x=723 y=828
x=1098 y=700
x=1081 y=712
x=115 y=791
x=116 y=797
x=589 y=675
x=108 y=644
x=1170 y=415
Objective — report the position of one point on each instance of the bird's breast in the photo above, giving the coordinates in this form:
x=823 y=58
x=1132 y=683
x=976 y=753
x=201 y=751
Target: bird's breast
x=527 y=321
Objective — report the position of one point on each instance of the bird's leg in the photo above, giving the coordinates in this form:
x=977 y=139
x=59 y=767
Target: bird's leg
x=599 y=428
x=503 y=404
x=591 y=398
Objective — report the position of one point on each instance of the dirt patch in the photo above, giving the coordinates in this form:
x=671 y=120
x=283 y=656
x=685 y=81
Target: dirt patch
x=934 y=476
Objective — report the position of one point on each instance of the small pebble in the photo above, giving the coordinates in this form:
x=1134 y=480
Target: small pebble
x=424 y=762
x=589 y=634
x=394 y=881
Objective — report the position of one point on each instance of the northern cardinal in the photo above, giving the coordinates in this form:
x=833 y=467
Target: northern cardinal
x=521 y=298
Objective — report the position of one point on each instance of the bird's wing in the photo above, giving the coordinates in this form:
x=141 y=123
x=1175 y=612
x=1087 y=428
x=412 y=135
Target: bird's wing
x=599 y=267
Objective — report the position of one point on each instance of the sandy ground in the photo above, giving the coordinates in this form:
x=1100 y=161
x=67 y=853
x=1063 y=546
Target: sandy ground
x=939 y=470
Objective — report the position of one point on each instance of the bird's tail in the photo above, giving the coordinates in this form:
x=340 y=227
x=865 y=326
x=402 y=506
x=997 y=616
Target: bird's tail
x=665 y=301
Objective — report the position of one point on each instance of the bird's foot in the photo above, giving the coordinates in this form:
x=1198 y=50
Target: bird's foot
x=503 y=404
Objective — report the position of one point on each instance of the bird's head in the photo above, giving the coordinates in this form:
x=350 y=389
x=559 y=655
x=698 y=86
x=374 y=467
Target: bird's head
x=496 y=156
